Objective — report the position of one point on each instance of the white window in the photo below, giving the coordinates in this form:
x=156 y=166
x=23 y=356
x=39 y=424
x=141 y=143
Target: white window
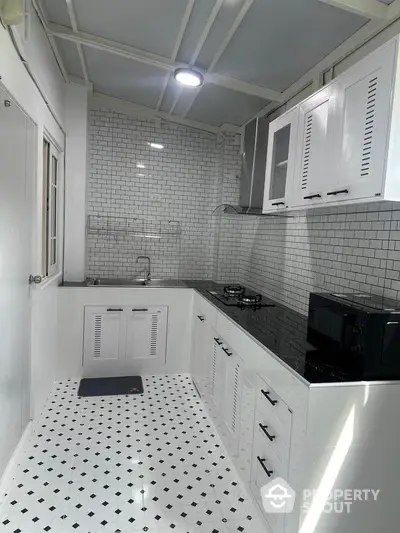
x=51 y=172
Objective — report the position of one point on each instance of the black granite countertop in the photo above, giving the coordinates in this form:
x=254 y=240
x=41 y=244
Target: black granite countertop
x=279 y=329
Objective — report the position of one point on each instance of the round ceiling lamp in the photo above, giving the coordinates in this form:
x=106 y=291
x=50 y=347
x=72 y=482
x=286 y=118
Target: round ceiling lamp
x=189 y=77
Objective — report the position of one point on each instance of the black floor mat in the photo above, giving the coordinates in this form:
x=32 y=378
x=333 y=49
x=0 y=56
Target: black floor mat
x=111 y=386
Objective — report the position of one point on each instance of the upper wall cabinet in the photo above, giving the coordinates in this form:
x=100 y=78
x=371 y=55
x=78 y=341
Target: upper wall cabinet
x=362 y=126
x=280 y=161
x=315 y=137
x=348 y=141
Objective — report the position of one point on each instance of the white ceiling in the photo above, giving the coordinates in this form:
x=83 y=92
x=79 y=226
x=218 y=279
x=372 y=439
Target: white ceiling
x=268 y=44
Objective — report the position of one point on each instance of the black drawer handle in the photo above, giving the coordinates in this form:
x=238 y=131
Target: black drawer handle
x=312 y=196
x=262 y=461
x=278 y=203
x=115 y=310
x=144 y=310
x=264 y=429
x=228 y=353
x=266 y=394
x=201 y=318
x=218 y=341
x=334 y=193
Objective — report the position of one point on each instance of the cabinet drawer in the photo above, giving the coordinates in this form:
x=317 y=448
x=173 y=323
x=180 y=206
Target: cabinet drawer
x=266 y=467
x=274 y=436
x=204 y=310
x=272 y=405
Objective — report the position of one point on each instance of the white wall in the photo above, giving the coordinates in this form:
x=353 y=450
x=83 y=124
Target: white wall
x=22 y=88
x=76 y=102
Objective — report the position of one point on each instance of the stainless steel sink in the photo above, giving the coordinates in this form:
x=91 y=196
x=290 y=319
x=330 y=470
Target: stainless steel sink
x=103 y=282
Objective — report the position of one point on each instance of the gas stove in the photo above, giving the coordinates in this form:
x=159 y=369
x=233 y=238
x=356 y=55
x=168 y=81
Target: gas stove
x=238 y=296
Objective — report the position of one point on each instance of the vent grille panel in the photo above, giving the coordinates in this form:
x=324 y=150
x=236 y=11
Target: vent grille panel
x=307 y=151
x=234 y=420
x=153 y=335
x=369 y=127
x=97 y=336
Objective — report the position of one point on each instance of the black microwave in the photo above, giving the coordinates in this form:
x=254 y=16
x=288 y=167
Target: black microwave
x=358 y=334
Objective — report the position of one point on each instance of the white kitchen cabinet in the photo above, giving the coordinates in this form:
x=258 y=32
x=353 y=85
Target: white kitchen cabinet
x=281 y=159
x=104 y=334
x=233 y=394
x=314 y=142
x=362 y=126
x=218 y=377
x=202 y=346
x=146 y=334
x=124 y=340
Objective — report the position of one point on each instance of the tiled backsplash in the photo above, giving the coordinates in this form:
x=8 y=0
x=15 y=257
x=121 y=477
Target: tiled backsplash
x=181 y=182
x=334 y=249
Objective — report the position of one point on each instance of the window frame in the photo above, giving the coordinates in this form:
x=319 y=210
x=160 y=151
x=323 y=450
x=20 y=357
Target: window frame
x=51 y=226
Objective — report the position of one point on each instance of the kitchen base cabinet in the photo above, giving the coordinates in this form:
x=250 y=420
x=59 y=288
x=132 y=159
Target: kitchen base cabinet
x=120 y=341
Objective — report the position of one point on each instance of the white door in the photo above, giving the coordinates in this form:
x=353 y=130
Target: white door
x=146 y=334
x=104 y=341
x=313 y=171
x=17 y=174
x=362 y=126
x=281 y=160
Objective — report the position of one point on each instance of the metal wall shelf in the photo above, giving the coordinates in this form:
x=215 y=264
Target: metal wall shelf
x=132 y=227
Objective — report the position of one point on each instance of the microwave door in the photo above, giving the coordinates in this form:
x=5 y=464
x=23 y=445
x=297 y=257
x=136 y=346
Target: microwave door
x=330 y=329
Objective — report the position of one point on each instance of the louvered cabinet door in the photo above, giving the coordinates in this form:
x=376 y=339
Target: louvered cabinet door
x=314 y=162
x=233 y=398
x=362 y=126
x=103 y=340
x=218 y=378
x=146 y=333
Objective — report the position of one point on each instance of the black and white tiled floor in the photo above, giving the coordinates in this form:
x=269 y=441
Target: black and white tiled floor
x=125 y=464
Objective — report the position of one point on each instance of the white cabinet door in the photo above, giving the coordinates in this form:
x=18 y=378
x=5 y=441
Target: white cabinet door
x=120 y=341
x=218 y=376
x=313 y=171
x=281 y=155
x=233 y=397
x=201 y=351
x=362 y=126
x=104 y=338
x=146 y=332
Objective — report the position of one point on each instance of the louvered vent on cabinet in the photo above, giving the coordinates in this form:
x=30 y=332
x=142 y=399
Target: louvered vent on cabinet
x=369 y=126
x=235 y=403
x=153 y=335
x=97 y=336
x=213 y=370
x=307 y=150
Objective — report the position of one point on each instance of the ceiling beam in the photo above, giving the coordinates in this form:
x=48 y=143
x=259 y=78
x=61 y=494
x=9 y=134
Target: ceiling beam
x=103 y=101
x=178 y=42
x=112 y=47
x=243 y=87
x=211 y=19
x=371 y=9
x=242 y=13
x=38 y=7
x=74 y=24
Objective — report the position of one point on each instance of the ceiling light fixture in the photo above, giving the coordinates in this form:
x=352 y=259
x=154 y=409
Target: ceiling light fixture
x=189 y=77
x=157 y=146
x=140 y=165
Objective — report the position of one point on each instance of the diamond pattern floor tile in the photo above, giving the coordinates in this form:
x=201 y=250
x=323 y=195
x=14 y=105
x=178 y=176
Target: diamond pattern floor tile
x=120 y=464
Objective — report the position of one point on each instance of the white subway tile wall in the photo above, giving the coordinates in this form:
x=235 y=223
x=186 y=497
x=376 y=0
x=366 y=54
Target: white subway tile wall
x=128 y=178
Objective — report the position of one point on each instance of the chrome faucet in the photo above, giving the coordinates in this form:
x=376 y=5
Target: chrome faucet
x=148 y=277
